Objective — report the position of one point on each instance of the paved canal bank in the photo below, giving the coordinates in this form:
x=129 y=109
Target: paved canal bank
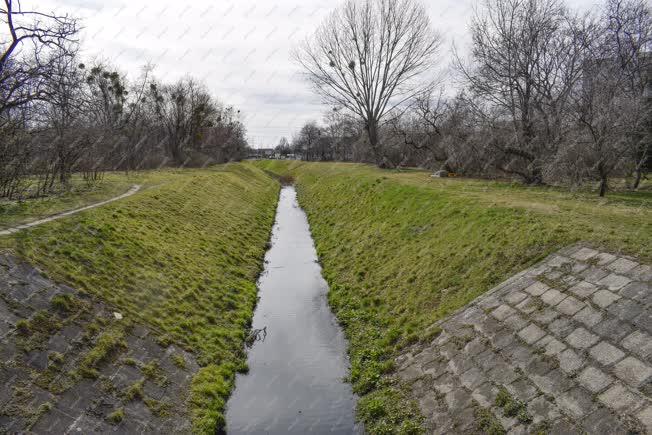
x=564 y=347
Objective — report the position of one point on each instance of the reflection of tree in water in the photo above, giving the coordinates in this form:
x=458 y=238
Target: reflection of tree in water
x=256 y=335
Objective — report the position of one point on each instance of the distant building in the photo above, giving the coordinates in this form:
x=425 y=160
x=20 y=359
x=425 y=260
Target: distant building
x=271 y=153
x=261 y=153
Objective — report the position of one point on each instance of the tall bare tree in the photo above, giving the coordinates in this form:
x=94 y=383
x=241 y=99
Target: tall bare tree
x=306 y=141
x=611 y=109
x=526 y=59
x=369 y=57
x=628 y=40
x=183 y=109
x=23 y=71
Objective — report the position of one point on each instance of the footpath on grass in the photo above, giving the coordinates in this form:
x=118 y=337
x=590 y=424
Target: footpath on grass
x=562 y=347
x=135 y=188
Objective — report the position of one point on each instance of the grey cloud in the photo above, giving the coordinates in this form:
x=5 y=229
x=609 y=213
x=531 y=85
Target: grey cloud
x=240 y=48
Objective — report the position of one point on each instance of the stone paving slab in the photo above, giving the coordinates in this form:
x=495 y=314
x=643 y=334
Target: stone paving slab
x=42 y=390
x=562 y=347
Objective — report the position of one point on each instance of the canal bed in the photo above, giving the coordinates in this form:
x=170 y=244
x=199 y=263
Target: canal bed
x=296 y=373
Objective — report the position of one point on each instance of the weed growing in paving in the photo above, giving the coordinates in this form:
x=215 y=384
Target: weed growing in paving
x=135 y=391
x=487 y=423
x=111 y=340
x=179 y=360
x=116 y=416
x=512 y=407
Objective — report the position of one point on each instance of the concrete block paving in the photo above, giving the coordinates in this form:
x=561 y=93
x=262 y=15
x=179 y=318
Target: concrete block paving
x=42 y=390
x=562 y=347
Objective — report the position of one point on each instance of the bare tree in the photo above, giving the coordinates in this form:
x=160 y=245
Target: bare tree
x=420 y=127
x=306 y=141
x=369 y=57
x=48 y=30
x=526 y=59
x=183 y=109
x=344 y=131
x=611 y=108
x=283 y=147
x=30 y=50
x=628 y=40
x=22 y=73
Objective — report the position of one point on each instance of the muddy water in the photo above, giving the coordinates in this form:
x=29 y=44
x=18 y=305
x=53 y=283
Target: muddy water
x=295 y=381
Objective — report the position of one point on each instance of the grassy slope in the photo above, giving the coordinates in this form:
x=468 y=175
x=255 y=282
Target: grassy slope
x=79 y=195
x=182 y=256
x=401 y=250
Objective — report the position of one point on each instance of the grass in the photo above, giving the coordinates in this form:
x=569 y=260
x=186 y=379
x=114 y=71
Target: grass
x=116 y=416
x=487 y=423
x=109 y=341
x=512 y=407
x=181 y=256
x=78 y=194
x=135 y=391
x=401 y=250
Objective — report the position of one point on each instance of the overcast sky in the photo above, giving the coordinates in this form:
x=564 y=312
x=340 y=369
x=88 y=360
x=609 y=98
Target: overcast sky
x=239 y=48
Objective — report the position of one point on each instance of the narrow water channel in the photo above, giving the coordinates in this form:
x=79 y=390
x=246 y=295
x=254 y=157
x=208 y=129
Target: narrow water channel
x=295 y=381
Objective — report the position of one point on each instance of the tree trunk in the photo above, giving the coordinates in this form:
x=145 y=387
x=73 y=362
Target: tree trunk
x=175 y=151
x=603 y=186
x=637 y=178
x=372 y=134
x=536 y=178
x=603 y=180
x=640 y=169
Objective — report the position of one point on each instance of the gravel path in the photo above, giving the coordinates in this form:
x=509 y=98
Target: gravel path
x=135 y=188
x=562 y=347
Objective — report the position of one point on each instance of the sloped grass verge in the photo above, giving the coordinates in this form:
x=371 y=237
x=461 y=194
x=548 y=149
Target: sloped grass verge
x=182 y=257
x=401 y=250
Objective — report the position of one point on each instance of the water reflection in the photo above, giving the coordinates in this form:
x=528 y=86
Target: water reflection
x=295 y=382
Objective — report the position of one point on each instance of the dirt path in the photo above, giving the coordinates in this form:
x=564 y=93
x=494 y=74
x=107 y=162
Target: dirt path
x=135 y=188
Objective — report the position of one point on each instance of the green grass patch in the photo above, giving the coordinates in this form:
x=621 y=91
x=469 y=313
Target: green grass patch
x=67 y=303
x=109 y=342
x=157 y=407
x=391 y=411
x=78 y=194
x=153 y=371
x=487 y=423
x=512 y=407
x=135 y=391
x=208 y=393
x=179 y=361
x=181 y=256
x=36 y=330
x=116 y=416
x=401 y=250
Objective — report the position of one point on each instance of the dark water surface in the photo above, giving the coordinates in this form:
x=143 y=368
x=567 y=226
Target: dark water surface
x=295 y=380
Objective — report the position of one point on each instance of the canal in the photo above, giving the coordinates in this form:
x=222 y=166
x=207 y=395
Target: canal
x=297 y=366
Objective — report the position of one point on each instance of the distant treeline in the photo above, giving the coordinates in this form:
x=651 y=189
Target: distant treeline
x=60 y=116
